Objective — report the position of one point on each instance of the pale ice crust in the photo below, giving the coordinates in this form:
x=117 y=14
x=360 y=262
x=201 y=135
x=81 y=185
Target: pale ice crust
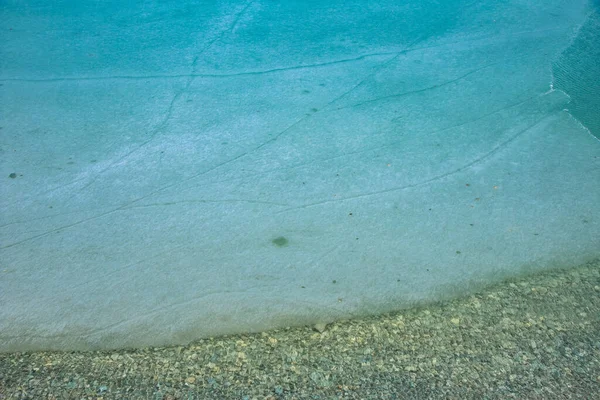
x=189 y=169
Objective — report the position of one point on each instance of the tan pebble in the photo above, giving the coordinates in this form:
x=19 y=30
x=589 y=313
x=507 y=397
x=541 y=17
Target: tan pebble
x=320 y=327
x=190 y=379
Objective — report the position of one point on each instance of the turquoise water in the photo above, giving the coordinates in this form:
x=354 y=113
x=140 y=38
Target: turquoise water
x=577 y=72
x=182 y=169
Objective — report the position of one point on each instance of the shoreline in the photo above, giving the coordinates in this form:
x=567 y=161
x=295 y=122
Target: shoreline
x=536 y=337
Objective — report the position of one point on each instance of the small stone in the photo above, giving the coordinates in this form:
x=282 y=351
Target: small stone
x=320 y=327
x=12 y=175
x=190 y=380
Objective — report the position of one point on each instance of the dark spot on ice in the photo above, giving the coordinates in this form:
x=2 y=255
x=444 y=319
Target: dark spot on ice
x=280 y=241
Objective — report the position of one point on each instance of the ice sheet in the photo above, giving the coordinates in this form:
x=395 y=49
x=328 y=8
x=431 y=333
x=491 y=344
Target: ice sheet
x=184 y=169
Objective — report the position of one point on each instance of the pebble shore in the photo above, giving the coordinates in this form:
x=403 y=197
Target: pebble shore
x=531 y=338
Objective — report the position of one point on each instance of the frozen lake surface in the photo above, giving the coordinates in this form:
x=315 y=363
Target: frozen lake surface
x=173 y=170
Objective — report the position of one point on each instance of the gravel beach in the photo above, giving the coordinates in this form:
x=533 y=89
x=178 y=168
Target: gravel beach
x=531 y=338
